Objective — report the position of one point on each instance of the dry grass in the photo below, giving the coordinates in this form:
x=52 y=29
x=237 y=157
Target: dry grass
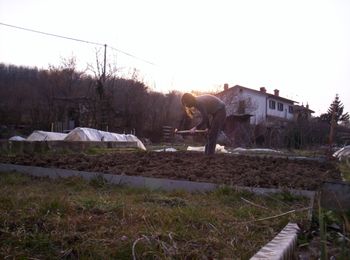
x=72 y=218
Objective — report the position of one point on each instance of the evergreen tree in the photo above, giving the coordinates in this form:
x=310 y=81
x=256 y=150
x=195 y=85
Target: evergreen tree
x=336 y=108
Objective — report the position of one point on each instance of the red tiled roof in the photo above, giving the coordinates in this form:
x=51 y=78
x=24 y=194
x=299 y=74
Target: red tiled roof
x=256 y=91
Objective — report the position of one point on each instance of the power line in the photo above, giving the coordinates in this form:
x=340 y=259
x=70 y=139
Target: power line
x=51 y=34
x=133 y=56
x=76 y=39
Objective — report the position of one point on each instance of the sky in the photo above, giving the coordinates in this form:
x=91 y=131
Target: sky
x=301 y=47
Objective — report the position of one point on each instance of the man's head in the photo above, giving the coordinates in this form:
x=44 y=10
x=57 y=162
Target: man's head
x=188 y=100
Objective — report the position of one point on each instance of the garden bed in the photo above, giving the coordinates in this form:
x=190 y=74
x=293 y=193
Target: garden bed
x=259 y=171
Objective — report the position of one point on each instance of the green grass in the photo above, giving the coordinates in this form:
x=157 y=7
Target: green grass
x=331 y=243
x=73 y=218
x=309 y=153
x=344 y=167
x=98 y=151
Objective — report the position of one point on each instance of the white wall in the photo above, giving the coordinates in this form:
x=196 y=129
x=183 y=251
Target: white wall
x=258 y=105
x=277 y=113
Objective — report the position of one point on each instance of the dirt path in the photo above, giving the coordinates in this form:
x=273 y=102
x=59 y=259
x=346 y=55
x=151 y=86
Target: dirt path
x=220 y=168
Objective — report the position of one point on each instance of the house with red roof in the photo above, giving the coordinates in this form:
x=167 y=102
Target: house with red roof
x=257 y=105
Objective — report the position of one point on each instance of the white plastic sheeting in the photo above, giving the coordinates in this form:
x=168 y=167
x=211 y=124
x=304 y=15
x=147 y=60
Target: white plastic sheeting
x=218 y=149
x=342 y=153
x=169 y=149
x=17 y=138
x=84 y=134
x=46 y=136
x=255 y=150
x=89 y=134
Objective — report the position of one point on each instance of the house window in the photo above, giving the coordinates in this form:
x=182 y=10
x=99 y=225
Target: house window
x=290 y=109
x=241 y=107
x=280 y=106
x=272 y=104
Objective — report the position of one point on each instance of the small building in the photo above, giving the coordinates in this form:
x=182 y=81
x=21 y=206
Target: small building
x=256 y=117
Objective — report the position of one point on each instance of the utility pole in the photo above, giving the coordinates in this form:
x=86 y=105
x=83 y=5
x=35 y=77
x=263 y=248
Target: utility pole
x=331 y=131
x=104 y=65
x=103 y=107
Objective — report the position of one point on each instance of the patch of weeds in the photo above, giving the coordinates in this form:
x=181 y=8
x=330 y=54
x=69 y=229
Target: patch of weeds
x=287 y=196
x=165 y=201
x=156 y=246
x=344 y=167
x=60 y=151
x=57 y=206
x=29 y=244
x=328 y=237
x=93 y=151
x=6 y=203
x=98 y=182
x=229 y=200
x=229 y=196
x=39 y=244
x=135 y=150
x=9 y=153
x=124 y=251
x=224 y=191
x=88 y=203
x=99 y=206
x=90 y=251
x=331 y=216
x=96 y=247
x=14 y=178
x=100 y=151
x=247 y=212
x=178 y=193
x=133 y=191
x=77 y=183
x=308 y=153
x=118 y=208
x=195 y=217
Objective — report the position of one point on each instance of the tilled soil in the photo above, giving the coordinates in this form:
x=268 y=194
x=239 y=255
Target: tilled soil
x=220 y=168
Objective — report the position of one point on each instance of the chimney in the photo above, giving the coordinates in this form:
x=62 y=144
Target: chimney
x=263 y=89
x=277 y=92
x=225 y=86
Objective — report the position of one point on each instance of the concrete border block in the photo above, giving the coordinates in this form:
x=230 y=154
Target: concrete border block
x=282 y=246
x=143 y=182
